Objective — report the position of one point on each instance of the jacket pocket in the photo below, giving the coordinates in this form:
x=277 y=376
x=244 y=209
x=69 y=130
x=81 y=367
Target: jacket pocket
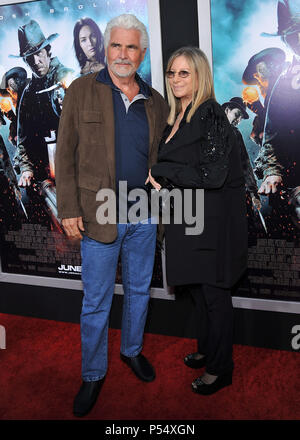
x=91 y=130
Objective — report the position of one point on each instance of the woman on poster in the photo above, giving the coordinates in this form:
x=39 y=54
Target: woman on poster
x=88 y=45
x=199 y=150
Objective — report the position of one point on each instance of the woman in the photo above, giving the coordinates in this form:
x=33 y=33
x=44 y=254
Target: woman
x=88 y=45
x=199 y=150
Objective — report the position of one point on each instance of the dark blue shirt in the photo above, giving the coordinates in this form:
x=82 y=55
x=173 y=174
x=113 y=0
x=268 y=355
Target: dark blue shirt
x=131 y=133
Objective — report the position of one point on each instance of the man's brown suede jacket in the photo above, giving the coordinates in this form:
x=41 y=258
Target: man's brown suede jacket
x=85 y=154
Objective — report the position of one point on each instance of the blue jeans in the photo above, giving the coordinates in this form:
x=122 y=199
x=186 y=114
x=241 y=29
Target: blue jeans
x=136 y=244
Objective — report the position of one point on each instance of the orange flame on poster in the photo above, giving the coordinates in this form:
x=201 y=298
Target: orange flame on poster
x=5 y=105
x=250 y=95
x=66 y=81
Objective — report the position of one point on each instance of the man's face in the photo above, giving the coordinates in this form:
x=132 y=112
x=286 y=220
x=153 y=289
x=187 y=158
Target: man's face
x=12 y=84
x=234 y=115
x=124 y=53
x=262 y=74
x=292 y=40
x=39 y=63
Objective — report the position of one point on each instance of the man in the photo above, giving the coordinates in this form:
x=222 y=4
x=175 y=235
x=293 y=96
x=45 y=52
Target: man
x=235 y=111
x=262 y=71
x=109 y=131
x=13 y=84
x=279 y=158
x=38 y=115
x=10 y=215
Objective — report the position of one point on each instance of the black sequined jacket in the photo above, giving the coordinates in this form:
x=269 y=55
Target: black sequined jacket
x=205 y=154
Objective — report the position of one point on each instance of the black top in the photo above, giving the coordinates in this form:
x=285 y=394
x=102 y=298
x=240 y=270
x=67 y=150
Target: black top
x=197 y=156
x=205 y=154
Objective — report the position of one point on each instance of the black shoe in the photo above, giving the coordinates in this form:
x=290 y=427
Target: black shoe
x=140 y=366
x=86 y=397
x=198 y=386
x=191 y=361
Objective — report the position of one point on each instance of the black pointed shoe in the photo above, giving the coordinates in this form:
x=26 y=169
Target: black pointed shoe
x=140 y=366
x=86 y=397
x=224 y=380
x=191 y=361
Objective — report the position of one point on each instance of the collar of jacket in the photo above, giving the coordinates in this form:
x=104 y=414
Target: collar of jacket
x=104 y=77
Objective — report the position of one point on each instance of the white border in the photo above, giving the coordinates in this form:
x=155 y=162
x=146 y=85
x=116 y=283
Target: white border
x=204 y=26
x=9 y=2
x=155 y=46
x=269 y=305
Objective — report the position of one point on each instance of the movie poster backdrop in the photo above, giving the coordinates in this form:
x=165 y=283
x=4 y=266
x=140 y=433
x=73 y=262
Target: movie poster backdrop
x=32 y=239
x=256 y=69
x=256 y=64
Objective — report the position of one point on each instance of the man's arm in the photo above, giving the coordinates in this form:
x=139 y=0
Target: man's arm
x=269 y=169
x=22 y=162
x=23 y=165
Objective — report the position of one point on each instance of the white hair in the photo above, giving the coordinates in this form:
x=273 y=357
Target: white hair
x=127 y=21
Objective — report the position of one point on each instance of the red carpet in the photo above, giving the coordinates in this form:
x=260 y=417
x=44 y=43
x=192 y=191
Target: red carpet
x=40 y=375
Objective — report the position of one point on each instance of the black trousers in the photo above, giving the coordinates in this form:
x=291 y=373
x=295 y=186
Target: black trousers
x=214 y=319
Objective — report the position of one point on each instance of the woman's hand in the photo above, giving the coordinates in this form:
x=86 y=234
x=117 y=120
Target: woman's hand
x=153 y=182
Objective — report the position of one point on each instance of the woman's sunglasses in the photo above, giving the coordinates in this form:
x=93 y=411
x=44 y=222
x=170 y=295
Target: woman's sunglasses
x=181 y=74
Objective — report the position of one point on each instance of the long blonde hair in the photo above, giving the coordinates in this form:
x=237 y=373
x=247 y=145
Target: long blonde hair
x=201 y=73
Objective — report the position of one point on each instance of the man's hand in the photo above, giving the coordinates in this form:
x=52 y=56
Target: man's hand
x=270 y=185
x=256 y=203
x=26 y=178
x=72 y=227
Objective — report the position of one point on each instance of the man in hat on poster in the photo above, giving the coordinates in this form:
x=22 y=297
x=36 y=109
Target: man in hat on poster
x=264 y=68
x=235 y=110
x=38 y=111
x=278 y=162
x=262 y=71
x=13 y=83
x=10 y=215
